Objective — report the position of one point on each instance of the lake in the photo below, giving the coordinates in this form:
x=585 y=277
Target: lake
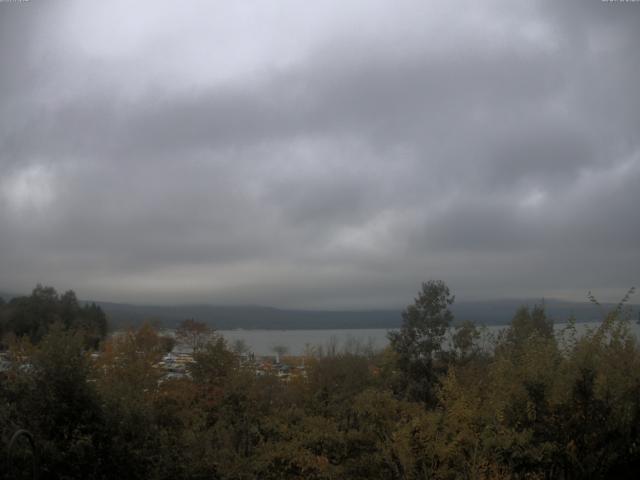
x=262 y=342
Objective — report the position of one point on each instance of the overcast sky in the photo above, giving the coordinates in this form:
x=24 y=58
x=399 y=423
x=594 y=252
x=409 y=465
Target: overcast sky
x=325 y=154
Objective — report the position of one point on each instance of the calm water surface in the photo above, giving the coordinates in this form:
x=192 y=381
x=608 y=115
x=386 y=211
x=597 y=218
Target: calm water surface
x=262 y=342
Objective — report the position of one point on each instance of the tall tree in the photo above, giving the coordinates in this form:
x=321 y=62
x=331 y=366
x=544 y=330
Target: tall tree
x=418 y=343
x=464 y=339
x=193 y=334
x=528 y=322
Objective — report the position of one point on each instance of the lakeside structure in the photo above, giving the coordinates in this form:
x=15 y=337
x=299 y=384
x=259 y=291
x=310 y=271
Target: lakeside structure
x=176 y=363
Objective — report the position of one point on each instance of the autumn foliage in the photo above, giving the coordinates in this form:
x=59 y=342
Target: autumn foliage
x=443 y=401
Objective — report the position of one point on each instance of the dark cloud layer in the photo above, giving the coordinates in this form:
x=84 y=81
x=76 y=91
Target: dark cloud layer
x=325 y=156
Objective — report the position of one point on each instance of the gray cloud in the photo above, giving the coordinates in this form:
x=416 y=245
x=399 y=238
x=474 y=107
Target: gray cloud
x=335 y=167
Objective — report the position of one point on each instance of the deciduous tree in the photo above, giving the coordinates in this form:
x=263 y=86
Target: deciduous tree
x=193 y=334
x=419 y=341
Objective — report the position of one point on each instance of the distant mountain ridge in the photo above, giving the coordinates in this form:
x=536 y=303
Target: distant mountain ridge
x=487 y=312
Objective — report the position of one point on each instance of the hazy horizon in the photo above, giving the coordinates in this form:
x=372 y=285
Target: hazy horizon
x=527 y=301
x=330 y=155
